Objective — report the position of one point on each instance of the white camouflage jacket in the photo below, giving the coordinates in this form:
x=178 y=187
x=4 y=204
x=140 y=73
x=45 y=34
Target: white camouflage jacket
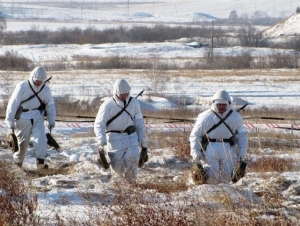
x=208 y=119
x=22 y=92
x=109 y=109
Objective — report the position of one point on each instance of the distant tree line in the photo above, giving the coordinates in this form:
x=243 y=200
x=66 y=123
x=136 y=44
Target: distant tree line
x=90 y=35
x=258 y=18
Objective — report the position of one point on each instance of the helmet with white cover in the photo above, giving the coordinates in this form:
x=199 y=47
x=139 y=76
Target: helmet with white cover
x=121 y=86
x=221 y=97
x=38 y=73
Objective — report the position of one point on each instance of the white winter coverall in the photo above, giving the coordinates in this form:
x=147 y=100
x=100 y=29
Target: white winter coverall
x=31 y=122
x=122 y=148
x=219 y=156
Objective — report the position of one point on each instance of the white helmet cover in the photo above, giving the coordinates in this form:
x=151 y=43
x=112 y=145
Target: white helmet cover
x=38 y=73
x=121 y=87
x=221 y=97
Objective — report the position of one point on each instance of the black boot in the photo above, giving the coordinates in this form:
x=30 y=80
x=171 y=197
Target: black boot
x=19 y=164
x=40 y=165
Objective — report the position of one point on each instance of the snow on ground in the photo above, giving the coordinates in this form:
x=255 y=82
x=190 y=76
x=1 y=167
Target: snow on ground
x=102 y=14
x=64 y=194
x=289 y=27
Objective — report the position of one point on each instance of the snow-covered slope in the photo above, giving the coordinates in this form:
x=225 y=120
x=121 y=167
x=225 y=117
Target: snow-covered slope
x=289 y=27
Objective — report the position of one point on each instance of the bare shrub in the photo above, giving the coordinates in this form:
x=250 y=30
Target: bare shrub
x=249 y=36
x=90 y=35
x=17 y=201
x=157 y=78
x=282 y=60
x=70 y=106
x=181 y=146
x=12 y=61
x=238 y=61
x=5 y=85
x=140 y=208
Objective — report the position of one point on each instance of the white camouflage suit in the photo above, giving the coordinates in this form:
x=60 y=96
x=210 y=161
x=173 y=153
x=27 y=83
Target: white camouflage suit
x=123 y=149
x=219 y=158
x=31 y=122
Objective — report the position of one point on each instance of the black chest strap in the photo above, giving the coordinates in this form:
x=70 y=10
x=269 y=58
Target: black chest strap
x=120 y=112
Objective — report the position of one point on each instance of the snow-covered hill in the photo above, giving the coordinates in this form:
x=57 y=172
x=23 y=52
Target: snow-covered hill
x=286 y=29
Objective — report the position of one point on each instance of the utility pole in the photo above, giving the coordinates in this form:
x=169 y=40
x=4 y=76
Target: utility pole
x=212 y=42
x=127 y=5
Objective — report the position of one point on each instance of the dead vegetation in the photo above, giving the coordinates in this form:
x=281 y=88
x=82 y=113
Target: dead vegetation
x=142 y=210
x=149 y=202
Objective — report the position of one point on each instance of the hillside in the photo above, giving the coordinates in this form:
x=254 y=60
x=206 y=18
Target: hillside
x=286 y=29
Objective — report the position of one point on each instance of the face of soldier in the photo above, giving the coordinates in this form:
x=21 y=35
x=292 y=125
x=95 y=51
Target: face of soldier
x=221 y=108
x=123 y=96
x=37 y=82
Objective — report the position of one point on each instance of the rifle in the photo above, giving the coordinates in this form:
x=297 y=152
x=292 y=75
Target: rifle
x=48 y=80
x=242 y=108
x=140 y=94
x=171 y=120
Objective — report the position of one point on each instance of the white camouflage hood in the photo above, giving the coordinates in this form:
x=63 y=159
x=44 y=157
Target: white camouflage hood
x=38 y=73
x=221 y=97
x=121 y=87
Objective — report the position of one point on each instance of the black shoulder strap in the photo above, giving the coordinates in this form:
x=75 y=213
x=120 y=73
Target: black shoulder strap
x=29 y=98
x=222 y=120
x=120 y=112
x=36 y=94
x=32 y=96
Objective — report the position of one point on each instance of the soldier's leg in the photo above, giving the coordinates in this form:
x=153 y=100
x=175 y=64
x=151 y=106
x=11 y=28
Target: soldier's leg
x=23 y=133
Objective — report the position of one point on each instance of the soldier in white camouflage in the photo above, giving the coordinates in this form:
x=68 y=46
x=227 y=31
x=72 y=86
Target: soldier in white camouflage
x=218 y=142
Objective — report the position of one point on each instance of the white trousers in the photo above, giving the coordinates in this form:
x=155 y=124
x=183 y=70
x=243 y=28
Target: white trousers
x=124 y=155
x=220 y=159
x=30 y=128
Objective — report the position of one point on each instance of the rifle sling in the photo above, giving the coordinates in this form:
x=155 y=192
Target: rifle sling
x=120 y=112
x=36 y=94
x=222 y=120
x=32 y=96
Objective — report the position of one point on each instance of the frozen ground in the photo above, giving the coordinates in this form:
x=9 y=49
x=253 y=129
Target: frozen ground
x=66 y=195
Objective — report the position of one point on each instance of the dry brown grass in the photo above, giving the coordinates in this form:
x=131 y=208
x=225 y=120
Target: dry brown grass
x=133 y=208
x=271 y=164
x=18 y=199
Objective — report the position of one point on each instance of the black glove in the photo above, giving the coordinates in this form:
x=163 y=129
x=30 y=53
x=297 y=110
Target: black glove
x=239 y=171
x=102 y=159
x=143 y=157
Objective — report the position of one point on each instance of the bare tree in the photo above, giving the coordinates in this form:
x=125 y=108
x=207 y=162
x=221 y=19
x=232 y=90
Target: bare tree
x=249 y=36
x=2 y=22
x=233 y=17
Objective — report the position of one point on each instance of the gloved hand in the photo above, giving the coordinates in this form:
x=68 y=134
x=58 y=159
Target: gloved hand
x=143 y=157
x=197 y=155
x=51 y=126
x=102 y=159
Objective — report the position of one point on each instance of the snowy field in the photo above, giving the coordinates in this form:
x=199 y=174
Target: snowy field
x=103 y=14
x=88 y=194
